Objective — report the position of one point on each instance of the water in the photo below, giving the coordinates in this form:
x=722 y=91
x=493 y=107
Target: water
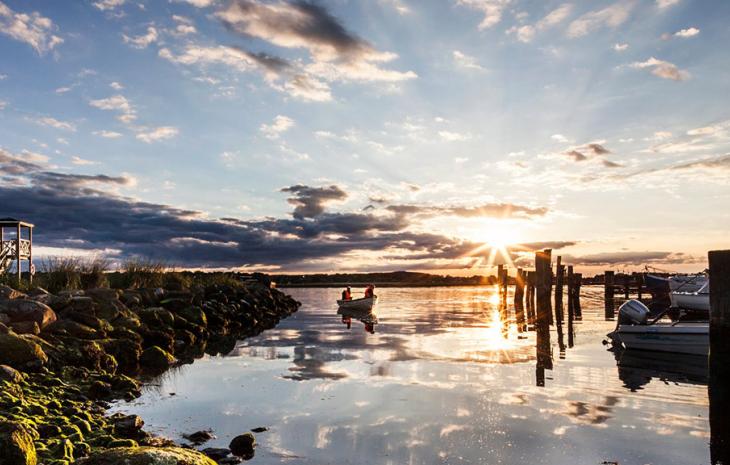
x=442 y=381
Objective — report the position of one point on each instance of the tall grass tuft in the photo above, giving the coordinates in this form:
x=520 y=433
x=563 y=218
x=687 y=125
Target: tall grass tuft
x=60 y=273
x=139 y=273
x=94 y=273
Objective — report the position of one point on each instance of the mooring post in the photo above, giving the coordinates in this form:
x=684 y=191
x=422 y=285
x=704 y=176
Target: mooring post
x=719 y=363
x=608 y=294
x=18 y=257
x=559 y=278
x=627 y=286
x=531 y=298
x=571 y=283
x=639 y=284
x=519 y=299
x=543 y=277
x=578 y=277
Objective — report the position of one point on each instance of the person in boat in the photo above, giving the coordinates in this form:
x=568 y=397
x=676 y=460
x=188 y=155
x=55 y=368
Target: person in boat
x=347 y=294
x=369 y=291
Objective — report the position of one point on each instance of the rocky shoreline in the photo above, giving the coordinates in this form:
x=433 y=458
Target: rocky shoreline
x=64 y=356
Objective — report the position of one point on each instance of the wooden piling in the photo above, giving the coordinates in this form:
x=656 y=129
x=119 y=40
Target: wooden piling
x=608 y=291
x=578 y=278
x=519 y=299
x=719 y=363
x=639 y=284
x=543 y=277
x=627 y=286
x=530 y=298
x=559 y=279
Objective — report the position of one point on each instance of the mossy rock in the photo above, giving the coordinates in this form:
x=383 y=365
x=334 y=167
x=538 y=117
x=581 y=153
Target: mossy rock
x=21 y=352
x=156 y=358
x=122 y=443
x=16 y=444
x=194 y=315
x=147 y=456
x=10 y=374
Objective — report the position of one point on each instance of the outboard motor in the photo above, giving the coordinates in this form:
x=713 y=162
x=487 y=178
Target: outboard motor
x=633 y=312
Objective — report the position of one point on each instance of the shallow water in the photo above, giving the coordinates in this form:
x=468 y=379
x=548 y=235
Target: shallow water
x=441 y=381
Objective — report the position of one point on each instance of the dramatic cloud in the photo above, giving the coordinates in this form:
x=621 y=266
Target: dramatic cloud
x=31 y=28
x=280 y=125
x=492 y=10
x=142 y=41
x=310 y=202
x=157 y=134
x=611 y=16
x=489 y=210
x=630 y=258
x=662 y=69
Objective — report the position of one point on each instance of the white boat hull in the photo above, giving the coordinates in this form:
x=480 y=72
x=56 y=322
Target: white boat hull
x=364 y=304
x=690 y=301
x=692 y=283
x=683 y=338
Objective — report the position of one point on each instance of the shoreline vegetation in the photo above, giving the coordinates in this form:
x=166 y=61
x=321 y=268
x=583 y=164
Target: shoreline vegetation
x=65 y=354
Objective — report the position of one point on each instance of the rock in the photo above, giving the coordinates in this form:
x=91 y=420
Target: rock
x=10 y=374
x=4 y=319
x=260 y=429
x=199 y=437
x=29 y=310
x=103 y=294
x=156 y=317
x=7 y=292
x=100 y=390
x=26 y=327
x=156 y=358
x=127 y=425
x=233 y=460
x=216 y=453
x=74 y=329
x=243 y=445
x=82 y=304
x=147 y=456
x=127 y=353
x=3 y=329
x=176 y=304
x=194 y=315
x=20 y=352
x=16 y=444
x=38 y=292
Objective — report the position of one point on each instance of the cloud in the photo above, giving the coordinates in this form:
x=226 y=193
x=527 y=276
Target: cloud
x=117 y=103
x=687 y=33
x=629 y=258
x=662 y=69
x=32 y=28
x=559 y=138
x=556 y=16
x=157 y=134
x=198 y=3
x=309 y=202
x=82 y=162
x=54 y=123
x=662 y=4
x=619 y=47
x=576 y=155
x=398 y=5
x=611 y=16
x=492 y=10
x=487 y=210
x=336 y=53
x=280 y=125
x=116 y=86
x=451 y=136
x=106 y=5
x=524 y=33
x=721 y=163
x=3 y=104
x=462 y=60
x=142 y=41
x=108 y=134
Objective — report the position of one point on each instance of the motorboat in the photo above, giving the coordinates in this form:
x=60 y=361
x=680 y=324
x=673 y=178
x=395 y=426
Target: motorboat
x=634 y=331
x=687 y=283
x=363 y=304
x=698 y=300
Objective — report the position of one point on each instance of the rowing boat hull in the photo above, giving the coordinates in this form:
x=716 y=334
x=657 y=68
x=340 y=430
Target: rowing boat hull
x=364 y=304
x=685 y=338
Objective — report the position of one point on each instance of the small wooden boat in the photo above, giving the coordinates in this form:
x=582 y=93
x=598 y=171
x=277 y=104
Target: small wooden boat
x=363 y=304
x=699 y=300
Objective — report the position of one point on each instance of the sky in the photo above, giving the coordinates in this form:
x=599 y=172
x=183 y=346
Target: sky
x=341 y=135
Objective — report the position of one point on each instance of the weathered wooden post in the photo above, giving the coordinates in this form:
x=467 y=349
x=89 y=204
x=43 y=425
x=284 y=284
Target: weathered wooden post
x=543 y=278
x=578 y=277
x=531 y=298
x=639 y=284
x=608 y=294
x=719 y=387
x=627 y=286
x=18 y=256
x=559 y=278
x=519 y=300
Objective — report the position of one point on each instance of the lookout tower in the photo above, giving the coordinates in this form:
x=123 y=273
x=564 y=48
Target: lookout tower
x=14 y=248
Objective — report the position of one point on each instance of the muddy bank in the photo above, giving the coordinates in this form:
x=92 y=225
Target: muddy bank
x=63 y=357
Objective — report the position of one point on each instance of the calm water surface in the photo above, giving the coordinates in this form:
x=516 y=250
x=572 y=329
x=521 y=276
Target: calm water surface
x=441 y=381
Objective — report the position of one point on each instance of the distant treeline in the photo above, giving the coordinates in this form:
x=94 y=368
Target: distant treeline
x=392 y=279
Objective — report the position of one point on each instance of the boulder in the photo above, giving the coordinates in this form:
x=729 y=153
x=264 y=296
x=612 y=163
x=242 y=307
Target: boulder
x=74 y=329
x=28 y=310
x=147 y=456
x=26 y=327
x=156 y=358
x=100 y=390
x=16 y=444
x=127 y=425
x=243 y=445
x=82 y=304
x=10 y=374
x=194 y=315
x=199 y=437
x=20 y=352
x=216 y=454
x=4 y=319
x=7 y=292
x=102 y=294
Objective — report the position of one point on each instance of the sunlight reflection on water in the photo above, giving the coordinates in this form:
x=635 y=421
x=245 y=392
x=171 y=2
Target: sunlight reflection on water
x=442 y=380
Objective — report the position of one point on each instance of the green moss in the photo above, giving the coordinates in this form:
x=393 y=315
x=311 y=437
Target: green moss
x=16 y=444
x=122 y=443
